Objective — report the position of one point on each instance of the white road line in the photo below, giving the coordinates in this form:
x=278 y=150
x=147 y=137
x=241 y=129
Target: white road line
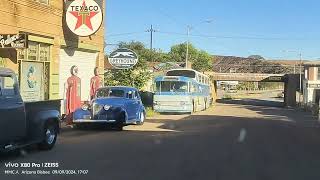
x=242 y=136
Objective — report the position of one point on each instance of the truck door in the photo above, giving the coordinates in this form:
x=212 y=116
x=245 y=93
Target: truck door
x=12 y=111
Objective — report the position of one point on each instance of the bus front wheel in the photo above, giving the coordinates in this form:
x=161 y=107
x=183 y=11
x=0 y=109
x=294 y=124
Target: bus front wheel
x=194 y=108
x=205 y=104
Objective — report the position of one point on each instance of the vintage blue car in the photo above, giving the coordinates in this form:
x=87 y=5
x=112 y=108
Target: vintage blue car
x=113 y=106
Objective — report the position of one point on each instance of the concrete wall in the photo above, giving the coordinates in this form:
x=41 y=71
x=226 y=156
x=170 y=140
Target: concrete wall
x=214 y=91
x=290 y=89
x=309 y=91
x=311 y=84
x=312 y=73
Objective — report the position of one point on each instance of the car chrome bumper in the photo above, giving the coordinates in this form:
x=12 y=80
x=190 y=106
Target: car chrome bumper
x=93 y=121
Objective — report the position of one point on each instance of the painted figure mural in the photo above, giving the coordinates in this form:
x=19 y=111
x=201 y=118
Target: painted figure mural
x=95 y=83
x=73 y=94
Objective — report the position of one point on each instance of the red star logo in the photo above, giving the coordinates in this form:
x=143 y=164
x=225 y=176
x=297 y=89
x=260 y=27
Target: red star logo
x=83 y=16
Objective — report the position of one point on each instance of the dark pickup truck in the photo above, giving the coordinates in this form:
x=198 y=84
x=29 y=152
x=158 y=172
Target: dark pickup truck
x=23 y=124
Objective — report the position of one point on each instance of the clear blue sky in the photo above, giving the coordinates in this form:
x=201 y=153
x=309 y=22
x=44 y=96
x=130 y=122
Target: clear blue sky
x=240 y=27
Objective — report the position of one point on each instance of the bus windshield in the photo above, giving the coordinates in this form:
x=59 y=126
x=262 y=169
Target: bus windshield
x=171 y=86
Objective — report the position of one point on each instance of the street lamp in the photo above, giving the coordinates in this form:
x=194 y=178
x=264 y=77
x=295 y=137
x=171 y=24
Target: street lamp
x=300 y=72
x=189 y=28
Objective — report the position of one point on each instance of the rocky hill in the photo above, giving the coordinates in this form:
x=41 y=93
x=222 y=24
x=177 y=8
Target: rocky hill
x=232 y=64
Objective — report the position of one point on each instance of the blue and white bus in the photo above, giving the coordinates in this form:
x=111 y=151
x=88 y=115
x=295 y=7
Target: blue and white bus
x=182 y=91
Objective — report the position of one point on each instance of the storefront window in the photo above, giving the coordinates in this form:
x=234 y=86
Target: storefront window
x=21 y=53
x=2 y=62
x=44 y=52
x=33 y=51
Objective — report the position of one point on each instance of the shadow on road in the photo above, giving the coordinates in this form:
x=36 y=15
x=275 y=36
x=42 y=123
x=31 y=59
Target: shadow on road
x=274 y=110
x=253 y=102
x=202 y=147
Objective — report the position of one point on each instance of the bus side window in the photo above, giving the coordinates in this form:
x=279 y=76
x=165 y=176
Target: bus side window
x=195 y=88
x=191 y=87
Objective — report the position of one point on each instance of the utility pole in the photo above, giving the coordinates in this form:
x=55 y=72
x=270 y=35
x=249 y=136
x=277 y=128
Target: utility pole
x=151 y=30
x=187 y=53
x=300 y=74
x=299 y=52
x=189 y=28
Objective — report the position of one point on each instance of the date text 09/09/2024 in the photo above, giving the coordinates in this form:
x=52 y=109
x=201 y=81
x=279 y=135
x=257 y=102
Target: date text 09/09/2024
x=46 y=172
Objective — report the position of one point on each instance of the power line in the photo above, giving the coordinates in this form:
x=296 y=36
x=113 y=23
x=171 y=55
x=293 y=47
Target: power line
x=230 y=37
x=124 y=34
x=173 y=19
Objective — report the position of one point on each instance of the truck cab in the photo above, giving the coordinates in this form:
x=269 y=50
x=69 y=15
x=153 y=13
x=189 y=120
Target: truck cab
x=21 y=123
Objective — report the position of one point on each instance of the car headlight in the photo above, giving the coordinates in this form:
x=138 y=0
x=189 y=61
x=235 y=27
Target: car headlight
x=85 y=107
x=106 y=107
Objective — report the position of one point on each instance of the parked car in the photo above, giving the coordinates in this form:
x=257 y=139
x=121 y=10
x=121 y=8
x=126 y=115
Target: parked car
x=21 y=123
x=112 y=106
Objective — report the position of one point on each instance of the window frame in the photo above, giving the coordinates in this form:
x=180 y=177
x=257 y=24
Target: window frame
x=46 y=65
x=15 y=87
x=128 y=95
x=137 y=95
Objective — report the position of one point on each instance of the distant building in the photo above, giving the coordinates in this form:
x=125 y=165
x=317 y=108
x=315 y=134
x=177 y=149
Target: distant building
x=311 y=83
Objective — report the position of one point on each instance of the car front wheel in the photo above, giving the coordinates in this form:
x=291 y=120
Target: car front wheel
x=119 y=125
x=50 y=136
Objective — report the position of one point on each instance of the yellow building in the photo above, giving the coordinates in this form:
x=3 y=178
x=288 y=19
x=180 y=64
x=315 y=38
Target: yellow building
x=52 y=47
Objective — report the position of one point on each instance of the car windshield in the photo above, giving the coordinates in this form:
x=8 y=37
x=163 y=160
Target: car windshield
x=110 y=93
x=171 y=86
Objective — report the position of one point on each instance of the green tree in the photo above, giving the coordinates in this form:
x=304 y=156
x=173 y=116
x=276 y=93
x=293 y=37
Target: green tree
x=178 y=53
x=145 y=54
x=203 y=62
x=137 y=76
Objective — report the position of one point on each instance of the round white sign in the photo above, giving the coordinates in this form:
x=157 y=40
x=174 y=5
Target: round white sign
x=123 y=58
x=84 y=17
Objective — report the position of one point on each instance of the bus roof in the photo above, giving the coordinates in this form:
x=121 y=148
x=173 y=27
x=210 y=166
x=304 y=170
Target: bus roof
x=197 y=72
x=173 y=78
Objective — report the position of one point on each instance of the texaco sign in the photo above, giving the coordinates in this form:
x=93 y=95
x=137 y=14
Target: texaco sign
x=84 y=17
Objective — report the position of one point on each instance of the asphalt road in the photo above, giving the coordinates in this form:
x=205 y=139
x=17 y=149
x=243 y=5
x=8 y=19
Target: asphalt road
x=239 y=139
